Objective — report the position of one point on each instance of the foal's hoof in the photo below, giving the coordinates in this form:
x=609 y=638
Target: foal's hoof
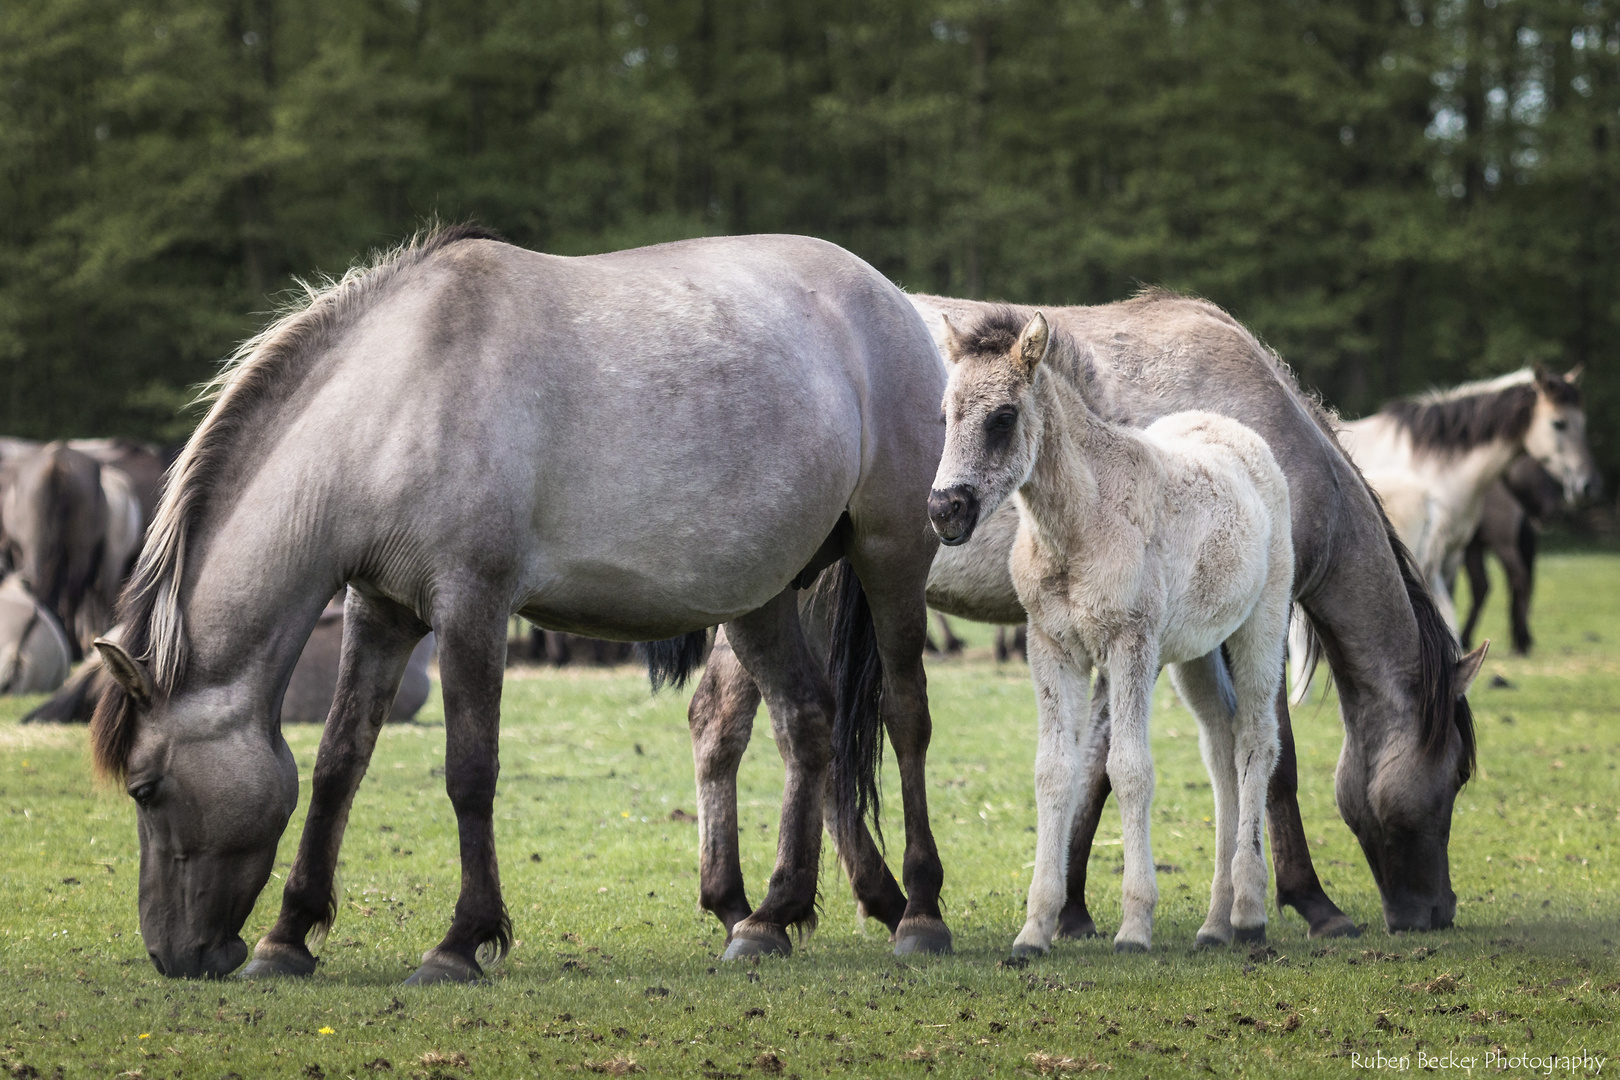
x=757 y=939
x=1251 y=935
x=1027 y=952
x=1209 y=941
x=444 y=967
x=272 y=961
x=1130 y=947
x=922 y=935
x=1337 y=926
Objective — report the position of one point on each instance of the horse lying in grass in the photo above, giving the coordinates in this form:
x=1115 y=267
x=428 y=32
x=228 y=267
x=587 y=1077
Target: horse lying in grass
x=1135 y=549
x=634 y=446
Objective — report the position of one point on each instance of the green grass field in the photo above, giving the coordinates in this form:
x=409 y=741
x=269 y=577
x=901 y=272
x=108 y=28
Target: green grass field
x=614 y=968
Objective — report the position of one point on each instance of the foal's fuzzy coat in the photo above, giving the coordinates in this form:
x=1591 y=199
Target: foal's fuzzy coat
x=1135 y=549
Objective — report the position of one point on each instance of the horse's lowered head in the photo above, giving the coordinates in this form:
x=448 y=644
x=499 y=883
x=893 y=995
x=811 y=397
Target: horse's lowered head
x=212 y=794
x=993 y=430
x=1556 y=437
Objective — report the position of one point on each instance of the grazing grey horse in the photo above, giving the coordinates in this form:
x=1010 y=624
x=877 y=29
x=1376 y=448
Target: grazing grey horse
x=1410 y=735
x=34 y=652
x=1509 y=527
x=53 y=521
x=636 y=446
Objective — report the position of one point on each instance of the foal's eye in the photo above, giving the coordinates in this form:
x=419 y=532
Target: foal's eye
x=143 y=794
x=1560 y=425
x=1002 y=420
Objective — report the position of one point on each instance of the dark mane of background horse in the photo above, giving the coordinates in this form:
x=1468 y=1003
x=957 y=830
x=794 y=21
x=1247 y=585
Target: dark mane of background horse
x=149 y=609
x=1441 y=707
x=1474 y=415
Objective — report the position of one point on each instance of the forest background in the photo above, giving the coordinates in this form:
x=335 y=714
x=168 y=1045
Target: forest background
x=1393 y=193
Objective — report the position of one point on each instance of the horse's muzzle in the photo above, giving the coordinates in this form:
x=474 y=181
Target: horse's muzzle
x=201 y=963
x=954 y=513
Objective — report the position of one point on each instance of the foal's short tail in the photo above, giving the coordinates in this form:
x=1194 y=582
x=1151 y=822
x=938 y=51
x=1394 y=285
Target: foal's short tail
x=855 y=670
x=671 y=661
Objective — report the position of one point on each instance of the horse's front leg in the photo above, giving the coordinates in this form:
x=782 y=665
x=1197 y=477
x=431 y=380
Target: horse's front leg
x=472 y=662
x=771 y=648
x=378 y=637
x=1075 y=921
x=1060 y=701
x=1298 y=886
x=721 y=718
x=1133 y=665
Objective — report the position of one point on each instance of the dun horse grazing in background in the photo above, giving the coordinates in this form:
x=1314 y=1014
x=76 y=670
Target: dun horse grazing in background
x=1409 y=744
x=1435 y=456
x=1135 y=549
x=54 y=522
x=634 y=446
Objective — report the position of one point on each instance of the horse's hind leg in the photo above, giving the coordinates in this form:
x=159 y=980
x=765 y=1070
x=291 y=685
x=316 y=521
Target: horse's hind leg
x=378 y=637
x=1195 y=681
x=721 y=717
x=1132 y=667
x=770 y=646
x=472 y=661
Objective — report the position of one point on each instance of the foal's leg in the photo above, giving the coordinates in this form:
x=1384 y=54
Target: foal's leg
x=721 y=716
x=378 y=637
x=1132 y=667
x=1074 y=921
x=1256 y=655
x=1060 y=700
x=472 y=661
x=771 y=648
x=1195 y=682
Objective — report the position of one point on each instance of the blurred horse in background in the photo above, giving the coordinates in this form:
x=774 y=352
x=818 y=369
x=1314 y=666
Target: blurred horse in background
x=54 y=525
x=1515 y=509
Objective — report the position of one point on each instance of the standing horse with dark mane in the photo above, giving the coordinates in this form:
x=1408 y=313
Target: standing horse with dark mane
x=1409 y=743
x=636 y=446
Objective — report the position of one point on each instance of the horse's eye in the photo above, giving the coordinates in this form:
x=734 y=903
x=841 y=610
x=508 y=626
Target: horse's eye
x=1560 y=425
x=1003 y=420
x=143 y=794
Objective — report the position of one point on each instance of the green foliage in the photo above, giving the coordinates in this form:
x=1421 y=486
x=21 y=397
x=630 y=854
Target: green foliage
x=602 y=886
x=1394 y=193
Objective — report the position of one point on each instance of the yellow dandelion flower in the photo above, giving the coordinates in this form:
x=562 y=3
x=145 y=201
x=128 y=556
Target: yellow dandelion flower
x=624 y=813
x=144 y=1035
x=327 y=1031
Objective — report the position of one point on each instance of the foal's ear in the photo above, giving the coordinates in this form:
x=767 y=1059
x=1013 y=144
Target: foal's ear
x=1468 y=667
x=1573 y=375
x=950 y=339
x=130 y=672
x=1030 y=348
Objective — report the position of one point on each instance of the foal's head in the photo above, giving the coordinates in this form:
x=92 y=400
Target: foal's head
x=992 y=428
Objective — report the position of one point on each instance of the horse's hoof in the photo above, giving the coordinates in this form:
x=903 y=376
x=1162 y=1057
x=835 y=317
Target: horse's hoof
x=757 y=939
x=272 y=961
x=444 y=967
x=1027 y=952
x=922 y=935
x=1077 y=927
x=1130 y=947
x=1249 y=935
x=1338 y=926
x=1209 y=941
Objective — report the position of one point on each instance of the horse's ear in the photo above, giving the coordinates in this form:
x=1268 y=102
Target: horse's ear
x=950 y=339
x=1030 y=349
x=1573 y=375
x=1468 y=667
x=130 y=672
x=1542 y=375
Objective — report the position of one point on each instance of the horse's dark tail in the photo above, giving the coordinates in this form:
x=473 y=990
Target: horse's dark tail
x=855 y=670
x=671 y=662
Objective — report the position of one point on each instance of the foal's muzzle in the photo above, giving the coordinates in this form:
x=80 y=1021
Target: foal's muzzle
x=954 y=512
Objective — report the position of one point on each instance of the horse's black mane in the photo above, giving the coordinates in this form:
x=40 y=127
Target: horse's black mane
x=1473 y=415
